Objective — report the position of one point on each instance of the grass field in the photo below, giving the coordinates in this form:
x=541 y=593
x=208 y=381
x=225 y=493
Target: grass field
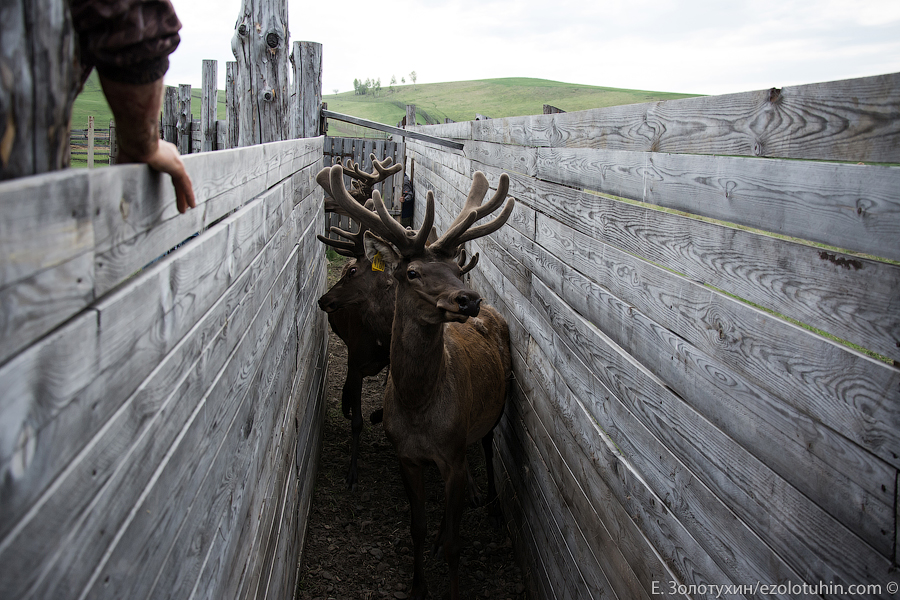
x=508 y=97
x=91 y=101
x=460 y=100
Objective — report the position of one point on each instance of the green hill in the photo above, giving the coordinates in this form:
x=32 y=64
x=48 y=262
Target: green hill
x=92 y=102
x=461 y=100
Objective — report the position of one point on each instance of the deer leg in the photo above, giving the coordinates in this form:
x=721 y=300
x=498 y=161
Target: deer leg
x=351 y=401
x=495 y=515
x=414 y=482
x=475 y=497
x=455 y=483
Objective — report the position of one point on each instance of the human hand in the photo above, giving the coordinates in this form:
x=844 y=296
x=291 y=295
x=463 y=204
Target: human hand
x=136 y=109
x=166 y=159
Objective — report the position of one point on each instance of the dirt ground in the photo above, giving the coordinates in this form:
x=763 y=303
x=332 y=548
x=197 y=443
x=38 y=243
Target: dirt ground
x=358 y=544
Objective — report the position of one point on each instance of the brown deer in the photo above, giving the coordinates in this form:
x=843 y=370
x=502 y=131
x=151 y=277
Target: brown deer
x=450 y=357
x=360 y=309
x=363 y=183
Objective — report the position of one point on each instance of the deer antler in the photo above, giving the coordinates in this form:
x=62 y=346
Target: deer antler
x=355 y=247
x=382 y=171
x=380 y=221
x=410 y=242
x=362 y=185
x=461 y=230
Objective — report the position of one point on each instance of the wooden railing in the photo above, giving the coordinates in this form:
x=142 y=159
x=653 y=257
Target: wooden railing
x=705 y=394
x=161 y=410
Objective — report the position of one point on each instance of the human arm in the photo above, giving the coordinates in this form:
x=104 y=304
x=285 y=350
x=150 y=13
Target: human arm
x=136 y=110
x=129 y=42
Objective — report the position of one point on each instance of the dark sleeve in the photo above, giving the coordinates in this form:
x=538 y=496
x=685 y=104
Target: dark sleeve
x=408 y=190
x=128 y=41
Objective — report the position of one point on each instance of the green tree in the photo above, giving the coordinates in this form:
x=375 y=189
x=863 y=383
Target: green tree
x=413 y=77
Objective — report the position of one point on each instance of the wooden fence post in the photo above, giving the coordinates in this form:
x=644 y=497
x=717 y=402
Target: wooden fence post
x=183 y=124
x=307 y=108
x=232 y=111
x=170 y=115
x=90 y=142
x=208 y=106
x=113 y=142
x=38 y=86
x=410 y=114
x=260 y=46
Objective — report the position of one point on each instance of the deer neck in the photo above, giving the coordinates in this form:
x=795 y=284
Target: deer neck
x=417 y=356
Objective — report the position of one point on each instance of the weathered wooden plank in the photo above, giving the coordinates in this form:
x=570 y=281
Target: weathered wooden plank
x=599 y=552
x=851 y=120
x=102 y=377
x=260 y=45
x=185 y=119
x=560 y=569
x=821 y=288
x=170 y=115
x=328 y=114
x=454 y=131
x=856 y=207
x=709 y=521
x=110 y=477
x=852 y=394
x=836 y=473
x=46 y=235
x=209 y=458
x=307 y=59
x=785 y=519
x=232 y=106
x=612 y=479
x=234 y=475
x=218 y=570
x=209 y=105
x=133 y=227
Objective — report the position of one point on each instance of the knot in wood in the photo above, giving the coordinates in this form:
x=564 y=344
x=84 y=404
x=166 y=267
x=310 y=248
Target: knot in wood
x=774 y=95
x=273 y=39
x=242 y=29
x=268 y=95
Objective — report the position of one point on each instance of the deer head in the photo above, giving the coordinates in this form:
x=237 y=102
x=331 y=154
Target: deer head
x=359 y=282
x=429 y=276
x=363 y=183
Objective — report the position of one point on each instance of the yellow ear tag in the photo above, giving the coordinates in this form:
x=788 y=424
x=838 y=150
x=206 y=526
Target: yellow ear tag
x=377 y=262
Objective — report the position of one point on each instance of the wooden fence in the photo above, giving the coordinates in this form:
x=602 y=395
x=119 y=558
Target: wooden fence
x=94 y=144
x=685 y=414
x=159 y=426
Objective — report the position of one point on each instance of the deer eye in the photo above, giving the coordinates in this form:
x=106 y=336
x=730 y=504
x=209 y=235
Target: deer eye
x=352 y=270
x=412 y=275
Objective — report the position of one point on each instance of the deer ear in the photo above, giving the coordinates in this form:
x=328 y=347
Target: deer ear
x=379 y=250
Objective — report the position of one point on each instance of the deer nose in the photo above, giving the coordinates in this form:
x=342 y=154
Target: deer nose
x=469 y=304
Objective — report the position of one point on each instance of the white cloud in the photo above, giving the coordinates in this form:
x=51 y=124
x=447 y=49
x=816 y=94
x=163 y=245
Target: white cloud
x=665 y=45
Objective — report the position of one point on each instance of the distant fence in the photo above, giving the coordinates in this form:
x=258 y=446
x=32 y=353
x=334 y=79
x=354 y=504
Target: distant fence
x=682 y=417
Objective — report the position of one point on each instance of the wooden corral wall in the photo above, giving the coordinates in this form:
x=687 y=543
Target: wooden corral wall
x=339 y=149
x=683 y=415
x=160 y=410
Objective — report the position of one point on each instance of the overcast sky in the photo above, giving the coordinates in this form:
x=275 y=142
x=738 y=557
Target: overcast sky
x=702 y=47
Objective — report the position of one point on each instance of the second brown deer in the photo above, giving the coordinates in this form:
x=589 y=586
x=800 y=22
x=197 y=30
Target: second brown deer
x=450 y=357
x=360 y=309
